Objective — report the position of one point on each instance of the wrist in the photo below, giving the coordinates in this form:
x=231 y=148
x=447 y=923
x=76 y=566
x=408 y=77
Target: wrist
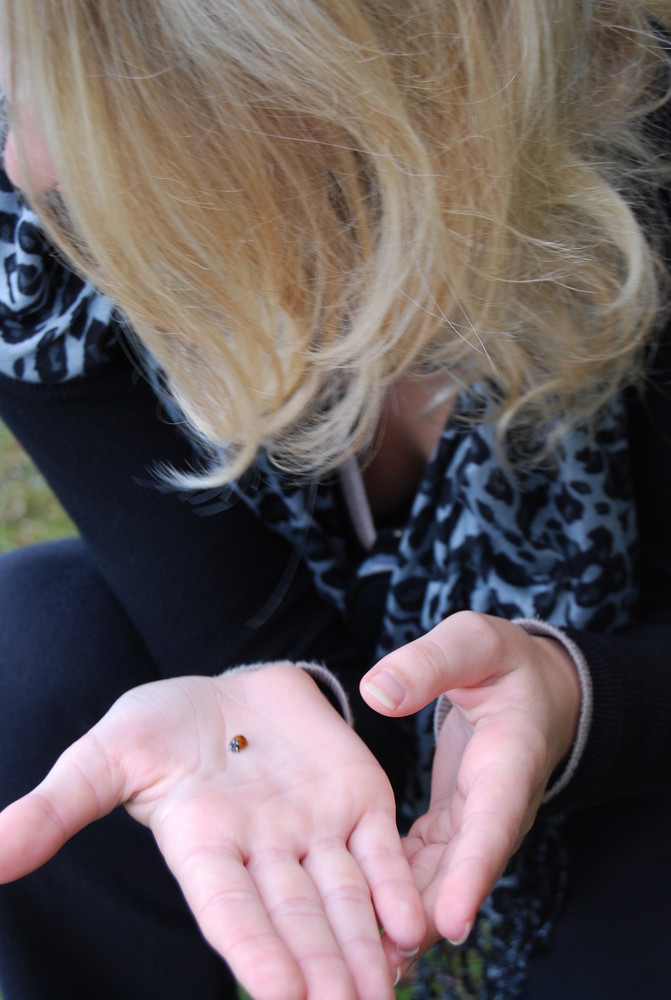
x=575 y=704
x=565 y=696
x=326 y=681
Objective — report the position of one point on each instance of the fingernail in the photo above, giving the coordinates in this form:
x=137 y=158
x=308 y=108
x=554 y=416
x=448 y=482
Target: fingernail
x=398 y=975
x=386 y=688
x=409 y=953
x=463 y=937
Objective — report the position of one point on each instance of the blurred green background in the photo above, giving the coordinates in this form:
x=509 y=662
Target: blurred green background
x=28 y=509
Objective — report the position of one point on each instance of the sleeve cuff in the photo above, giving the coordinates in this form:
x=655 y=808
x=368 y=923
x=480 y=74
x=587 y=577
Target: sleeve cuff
x=562 y=777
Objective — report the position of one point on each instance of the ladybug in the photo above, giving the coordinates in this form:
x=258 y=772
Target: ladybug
x=238 y=743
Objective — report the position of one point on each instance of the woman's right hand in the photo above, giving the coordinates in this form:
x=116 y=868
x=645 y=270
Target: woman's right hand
x=286 y=852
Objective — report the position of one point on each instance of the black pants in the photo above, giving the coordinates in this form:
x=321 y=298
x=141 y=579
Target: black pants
x=612 y=940
x=104 y=918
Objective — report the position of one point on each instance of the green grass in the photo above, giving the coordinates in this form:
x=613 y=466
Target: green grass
x=29 y=511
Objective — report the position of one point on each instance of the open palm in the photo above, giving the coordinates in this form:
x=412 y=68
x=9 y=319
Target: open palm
x=286 y=852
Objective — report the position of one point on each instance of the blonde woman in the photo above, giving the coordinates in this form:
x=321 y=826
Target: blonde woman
x=402 y=267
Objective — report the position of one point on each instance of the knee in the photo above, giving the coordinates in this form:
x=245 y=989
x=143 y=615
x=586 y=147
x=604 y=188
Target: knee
x=67 y=651
x=41 y=615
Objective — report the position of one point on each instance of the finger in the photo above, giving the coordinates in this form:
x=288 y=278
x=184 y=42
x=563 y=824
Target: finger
x=472 y=859
x=351 y=915
x=297 y=912
x=401 y=960
x=85 y=784
x=377 y=848
x=235 y=920
x=462 y=651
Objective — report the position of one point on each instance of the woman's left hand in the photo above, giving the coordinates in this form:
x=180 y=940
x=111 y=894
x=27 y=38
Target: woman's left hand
x=515 y=707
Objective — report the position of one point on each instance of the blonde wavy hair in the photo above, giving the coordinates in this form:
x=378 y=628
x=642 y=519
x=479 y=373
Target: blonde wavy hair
x=297 y=203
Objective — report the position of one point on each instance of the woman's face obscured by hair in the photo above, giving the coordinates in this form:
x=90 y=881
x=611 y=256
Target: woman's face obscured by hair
x=36 y=163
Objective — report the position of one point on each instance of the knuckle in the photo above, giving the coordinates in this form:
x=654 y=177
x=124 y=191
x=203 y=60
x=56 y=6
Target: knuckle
x=484 y=634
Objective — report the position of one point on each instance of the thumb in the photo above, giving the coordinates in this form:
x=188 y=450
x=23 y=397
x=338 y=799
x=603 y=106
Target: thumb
x=82 y=786
x=462 y=651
